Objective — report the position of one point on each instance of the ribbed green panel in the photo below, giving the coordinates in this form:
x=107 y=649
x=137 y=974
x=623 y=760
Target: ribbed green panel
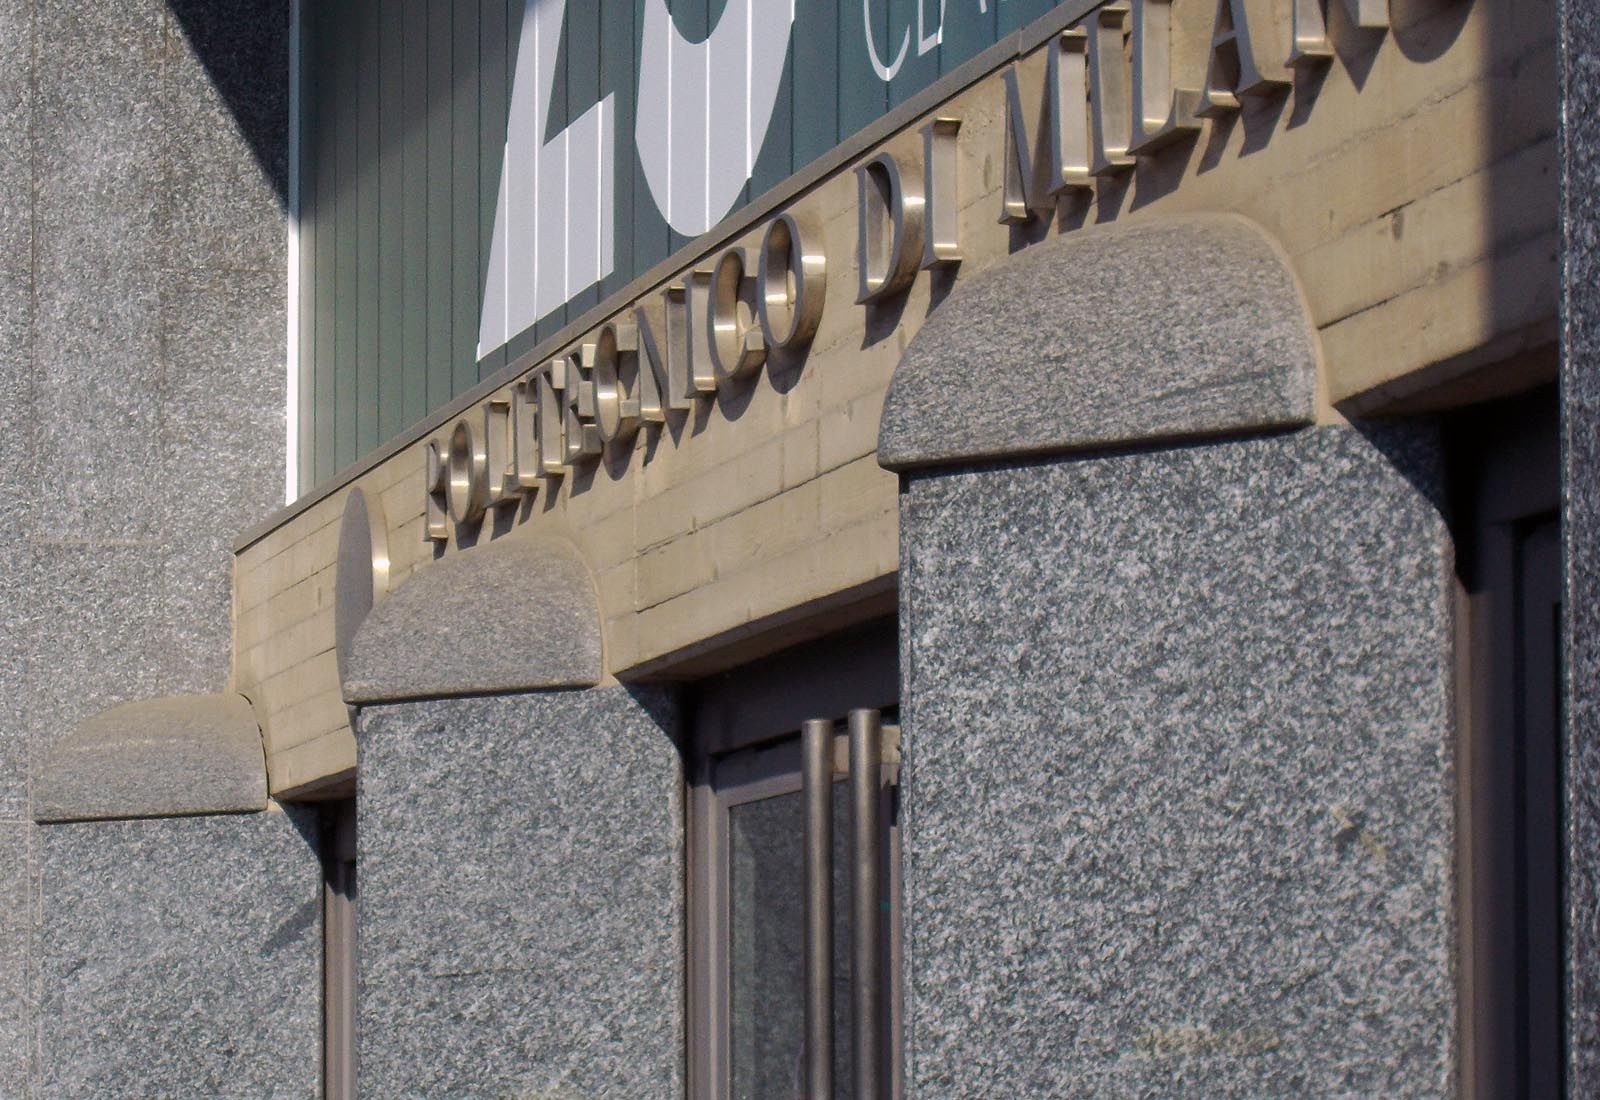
x=496 y=52
x=618 y=47
x=1016 y=14
x=346 y=305
x=465 y=165
x=440 y=208
x=368 y=263
x=968 y=29
x=652 y=240
x=391 y=229
x=320 y=198
x=413 y=214
x=815 y=50
x=920 y=64
x=404 y=107
x=581 y=48
x=775 y=161
x=560 y=116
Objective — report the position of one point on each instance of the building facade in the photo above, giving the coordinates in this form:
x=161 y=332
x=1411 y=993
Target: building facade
x=911 y=549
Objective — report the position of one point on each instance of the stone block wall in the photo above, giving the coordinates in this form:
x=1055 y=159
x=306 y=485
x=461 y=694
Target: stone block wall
x=142 y=274
x=181 y=958
x=521 y=915
x=1580 y=523
x=1185 y=826
x=1409 y=184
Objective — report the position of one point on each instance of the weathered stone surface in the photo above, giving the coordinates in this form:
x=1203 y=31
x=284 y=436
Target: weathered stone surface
x=522 y=897
x=153 y=375
x=515 y=615
x=1580 y=524
x=17 y=713
x=181 y=958
x=228 y=117
x=362 y=570
x=96 y=209
x=1161 y=329
x=1183 y=824
x=210 y=438
x=142 y=390
x=184 y=754
x=17 y=934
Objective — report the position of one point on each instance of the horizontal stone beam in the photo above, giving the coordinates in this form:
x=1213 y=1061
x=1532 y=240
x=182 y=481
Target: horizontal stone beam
x=516 y=615
x=1163 y=329
x=182 y=754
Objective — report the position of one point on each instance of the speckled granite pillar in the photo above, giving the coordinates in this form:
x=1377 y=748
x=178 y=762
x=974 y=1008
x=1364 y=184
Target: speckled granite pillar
x=1183 y=825
x=181 y=958
x=1580 y=395
x=521 y=897
x=142 y=267
x=19 y=484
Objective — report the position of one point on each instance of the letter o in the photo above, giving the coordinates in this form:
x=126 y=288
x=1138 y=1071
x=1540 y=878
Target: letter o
x=733 y=338
x=468 y=485
x=615 y=414
x=793 y=285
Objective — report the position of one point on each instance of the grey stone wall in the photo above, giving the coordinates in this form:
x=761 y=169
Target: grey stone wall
x=1179 y=816
x=181 y=958
x=521 y=897
x=141 y=375
x=1580 y=395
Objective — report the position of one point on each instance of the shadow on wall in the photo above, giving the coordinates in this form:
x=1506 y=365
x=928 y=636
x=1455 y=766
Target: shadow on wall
x=238 y=42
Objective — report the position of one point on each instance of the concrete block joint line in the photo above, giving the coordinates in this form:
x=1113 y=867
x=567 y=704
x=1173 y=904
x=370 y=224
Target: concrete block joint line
x=1038 y=548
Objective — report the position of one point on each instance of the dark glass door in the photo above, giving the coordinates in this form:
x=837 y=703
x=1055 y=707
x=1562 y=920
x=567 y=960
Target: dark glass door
x=773 y=833
x=1505 y=474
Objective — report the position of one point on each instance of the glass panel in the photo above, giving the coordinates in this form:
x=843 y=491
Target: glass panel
x=766 y=948
x=841 y=942
x=766 y=952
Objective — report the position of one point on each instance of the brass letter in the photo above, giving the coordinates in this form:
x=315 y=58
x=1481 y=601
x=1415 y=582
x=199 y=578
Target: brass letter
x=552 y=448
x=468 y=485
x=436 y=524
x=889 y=245
x=1032 y=184
x=696 y=314
x=1310 y=45
x=1161 y=113
x=1231 y=69
x=793 y=282
x=497 y=441
x=577 y=405
x=941 y=189
x=616 y=404
x=677 y=324
x=663 y=373
x=732 y=335
x=525 y=433
x=1109 y=104
x=1019 y=196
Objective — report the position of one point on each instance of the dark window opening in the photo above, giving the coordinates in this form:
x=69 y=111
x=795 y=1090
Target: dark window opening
x=795 y=877
x=1505 y=500
x=339 y=949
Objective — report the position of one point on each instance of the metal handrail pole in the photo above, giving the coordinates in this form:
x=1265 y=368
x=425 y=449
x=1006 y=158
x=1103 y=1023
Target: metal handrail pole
x=816 y=785
x=866 y=928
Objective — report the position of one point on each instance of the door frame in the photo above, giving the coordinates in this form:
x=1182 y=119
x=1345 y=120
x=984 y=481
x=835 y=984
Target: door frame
x=749 y=708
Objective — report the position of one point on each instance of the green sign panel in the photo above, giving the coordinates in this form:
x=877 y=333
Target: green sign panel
x=475 y=173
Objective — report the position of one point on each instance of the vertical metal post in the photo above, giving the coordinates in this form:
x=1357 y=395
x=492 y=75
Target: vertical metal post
x=339 y=954
x=816 y=779
x=866 y=928
x=708 y=1063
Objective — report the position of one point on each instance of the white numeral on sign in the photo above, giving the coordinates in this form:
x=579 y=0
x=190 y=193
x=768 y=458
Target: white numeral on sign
x=555 y=218
x=704 y=107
